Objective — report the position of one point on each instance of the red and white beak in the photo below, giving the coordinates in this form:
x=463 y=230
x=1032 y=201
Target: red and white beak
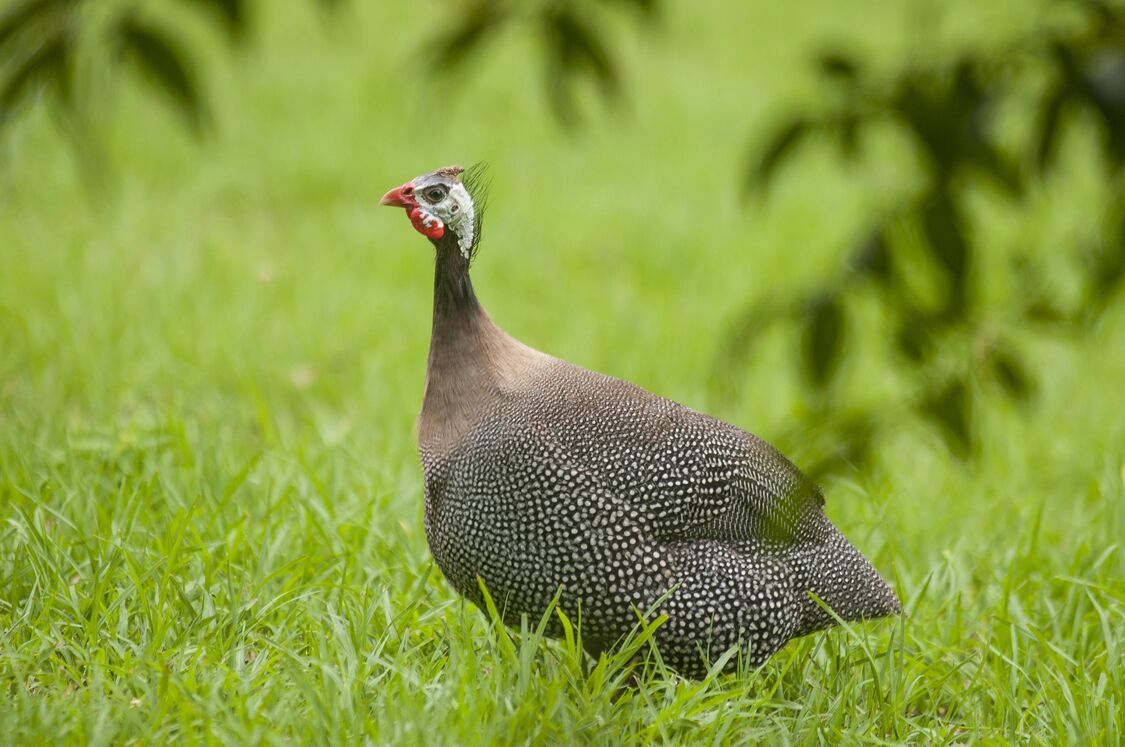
x=400 y=197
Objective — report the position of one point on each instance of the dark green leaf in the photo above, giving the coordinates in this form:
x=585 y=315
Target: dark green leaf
x=574 y=48
x=822 y=340
x=47 y=66
x=1106 y=263
x=19 y=18
x=1105 y=16
x=946 y=240
x=950 y=409
x=159 y=58
x=231 y=12
x=646 y=8
x=1045 y=313
x=1039 y=305
x=929 y=120
x=839 y=66
x=913 y=337
x=847 y=134
x=466 y=35
x=781 y=145
x=578 y=47
x=1104 y=75
x=873 y=257
x=999 y=169
x=1051 y=115
x=1011 y=374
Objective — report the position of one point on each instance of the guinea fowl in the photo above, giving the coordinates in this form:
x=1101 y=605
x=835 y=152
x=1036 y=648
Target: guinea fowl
x=544 y=478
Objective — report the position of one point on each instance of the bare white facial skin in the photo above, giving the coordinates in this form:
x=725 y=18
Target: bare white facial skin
x=448 y=201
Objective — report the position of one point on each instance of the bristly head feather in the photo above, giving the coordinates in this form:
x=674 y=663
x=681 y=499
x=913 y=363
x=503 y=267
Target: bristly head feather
x=478 y=182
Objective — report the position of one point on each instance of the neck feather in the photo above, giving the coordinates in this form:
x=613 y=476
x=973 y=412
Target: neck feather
x=455 y=303
x=471 y=360
x=458 y=373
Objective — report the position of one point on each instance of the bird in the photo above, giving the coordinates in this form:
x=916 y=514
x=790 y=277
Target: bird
x=549 y=484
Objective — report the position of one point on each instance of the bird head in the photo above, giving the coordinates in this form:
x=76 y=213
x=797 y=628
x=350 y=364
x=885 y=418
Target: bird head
x=439 y=201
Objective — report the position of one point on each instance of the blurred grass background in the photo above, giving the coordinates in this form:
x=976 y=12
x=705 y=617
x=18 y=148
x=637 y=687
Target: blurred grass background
x=211 y=357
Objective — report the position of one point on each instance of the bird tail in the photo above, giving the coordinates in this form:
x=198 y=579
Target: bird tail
x=845 y=581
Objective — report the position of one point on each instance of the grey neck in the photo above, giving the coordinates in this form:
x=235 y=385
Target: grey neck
x=472 y=361
x=458 y=371
x=453 y=290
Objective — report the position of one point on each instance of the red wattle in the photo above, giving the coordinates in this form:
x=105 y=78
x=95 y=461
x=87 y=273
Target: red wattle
x=419 y=218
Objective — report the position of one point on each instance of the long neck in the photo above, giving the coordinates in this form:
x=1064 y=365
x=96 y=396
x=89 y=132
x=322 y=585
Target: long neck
x=471 y=360
x=458 y=371
x=454 y=299
x=459 y=320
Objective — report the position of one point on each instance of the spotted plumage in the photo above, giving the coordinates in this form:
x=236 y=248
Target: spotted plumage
x=542 y=479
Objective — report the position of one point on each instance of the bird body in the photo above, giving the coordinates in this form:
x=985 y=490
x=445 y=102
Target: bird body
x=542 y=478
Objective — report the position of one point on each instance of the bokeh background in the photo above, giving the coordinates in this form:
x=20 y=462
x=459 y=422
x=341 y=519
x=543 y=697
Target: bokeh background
x=887 y=237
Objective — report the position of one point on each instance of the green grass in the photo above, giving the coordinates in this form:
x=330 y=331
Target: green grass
x=210 y=500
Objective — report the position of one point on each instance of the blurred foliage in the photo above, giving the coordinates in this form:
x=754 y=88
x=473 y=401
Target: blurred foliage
x=571 y=34
x=950 y=114
x=919 y=262
x=47 y=47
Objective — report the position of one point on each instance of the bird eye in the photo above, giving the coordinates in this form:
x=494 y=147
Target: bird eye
x=435 y=194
